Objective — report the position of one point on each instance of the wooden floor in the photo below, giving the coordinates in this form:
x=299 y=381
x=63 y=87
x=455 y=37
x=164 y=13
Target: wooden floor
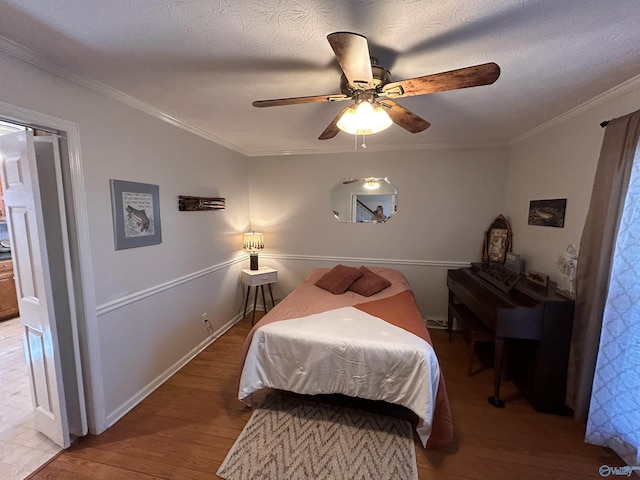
x=185 y=428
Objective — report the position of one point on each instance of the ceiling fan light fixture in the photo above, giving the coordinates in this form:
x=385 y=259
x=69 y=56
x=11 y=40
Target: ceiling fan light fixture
x=364 y=118
x=371 y=184
x=364 y=80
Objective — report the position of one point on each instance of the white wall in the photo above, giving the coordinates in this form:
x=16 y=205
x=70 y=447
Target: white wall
x=150 y=299
x=560 y=162
x=446 y=200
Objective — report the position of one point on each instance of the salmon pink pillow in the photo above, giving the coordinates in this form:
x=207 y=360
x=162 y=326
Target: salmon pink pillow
x=369 y=283
x=338 y=279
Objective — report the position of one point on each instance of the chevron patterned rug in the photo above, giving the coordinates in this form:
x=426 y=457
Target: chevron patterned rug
x=291 y=438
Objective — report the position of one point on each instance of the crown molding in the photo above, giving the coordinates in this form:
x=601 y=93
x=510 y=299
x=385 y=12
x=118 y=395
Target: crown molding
x=29 y=56
x=605 y=97
x=378 y=148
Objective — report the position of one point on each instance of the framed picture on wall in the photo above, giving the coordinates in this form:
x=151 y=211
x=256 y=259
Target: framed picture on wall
x=136 y=214
x=547 y=213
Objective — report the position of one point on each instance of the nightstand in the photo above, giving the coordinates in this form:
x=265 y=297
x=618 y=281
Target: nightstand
x=258 y=278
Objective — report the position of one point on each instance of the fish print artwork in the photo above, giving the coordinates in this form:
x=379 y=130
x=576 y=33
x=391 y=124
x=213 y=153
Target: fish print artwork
x=138 y=214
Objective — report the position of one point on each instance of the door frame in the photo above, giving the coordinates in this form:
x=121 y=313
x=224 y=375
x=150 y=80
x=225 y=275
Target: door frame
x=88 y=344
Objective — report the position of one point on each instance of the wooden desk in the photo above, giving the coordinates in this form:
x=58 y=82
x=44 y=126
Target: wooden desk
x=532 y=327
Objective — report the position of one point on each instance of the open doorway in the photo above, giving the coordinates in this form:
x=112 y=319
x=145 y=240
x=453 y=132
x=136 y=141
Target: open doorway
x=29 y=447
x=47 y=327
x=25 y=448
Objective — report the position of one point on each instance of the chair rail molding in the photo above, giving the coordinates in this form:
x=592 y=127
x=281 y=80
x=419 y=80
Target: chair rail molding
x=156 y=289
x=372 y=261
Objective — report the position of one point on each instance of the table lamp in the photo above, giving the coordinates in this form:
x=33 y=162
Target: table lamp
x=252 y=242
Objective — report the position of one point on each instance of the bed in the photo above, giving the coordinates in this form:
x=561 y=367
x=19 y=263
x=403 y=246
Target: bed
x=373 y=347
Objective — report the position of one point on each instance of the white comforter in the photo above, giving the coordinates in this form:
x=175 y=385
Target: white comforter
x=344 y=351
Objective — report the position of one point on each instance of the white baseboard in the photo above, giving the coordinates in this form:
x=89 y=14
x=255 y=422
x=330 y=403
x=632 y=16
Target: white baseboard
x=436 y=324
x=128 y=405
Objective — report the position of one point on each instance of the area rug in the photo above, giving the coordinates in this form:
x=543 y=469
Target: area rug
x=293 y=438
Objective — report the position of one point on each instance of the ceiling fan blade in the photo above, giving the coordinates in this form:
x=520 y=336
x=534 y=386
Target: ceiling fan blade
x=484 y=74
x=403 y=117
x=332 y=129
x=299 y=100
x=352 y=52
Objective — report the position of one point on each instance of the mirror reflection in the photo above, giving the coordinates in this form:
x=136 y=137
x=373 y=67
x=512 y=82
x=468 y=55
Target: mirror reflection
x=363 y=200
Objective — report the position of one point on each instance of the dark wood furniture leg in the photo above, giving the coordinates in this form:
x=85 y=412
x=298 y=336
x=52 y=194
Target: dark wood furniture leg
x=478 y=334
x=246 y=302
x=450 y=315
x=255 y=299
x=264 y=301
x=495 y=400
x=273 y=304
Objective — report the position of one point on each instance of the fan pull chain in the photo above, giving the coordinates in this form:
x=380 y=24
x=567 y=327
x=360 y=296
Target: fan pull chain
x=355 y=142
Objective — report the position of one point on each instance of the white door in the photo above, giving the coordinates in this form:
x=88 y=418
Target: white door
x=33 y=283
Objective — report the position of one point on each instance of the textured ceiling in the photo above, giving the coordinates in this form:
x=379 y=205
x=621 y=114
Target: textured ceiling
x=204 y=62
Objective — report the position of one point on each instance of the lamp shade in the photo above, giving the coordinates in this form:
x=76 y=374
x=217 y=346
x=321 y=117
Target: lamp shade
x=364 y=119
x=253 y=241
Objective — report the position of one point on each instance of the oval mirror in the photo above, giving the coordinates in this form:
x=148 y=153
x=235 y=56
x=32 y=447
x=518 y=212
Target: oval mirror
x=363 y=200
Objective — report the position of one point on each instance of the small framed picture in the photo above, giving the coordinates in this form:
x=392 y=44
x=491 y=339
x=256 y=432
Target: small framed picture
x=514 y=262
x=136 y=214
x=547 y=213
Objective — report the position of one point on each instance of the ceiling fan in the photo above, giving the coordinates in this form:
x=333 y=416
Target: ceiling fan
x=367 y=83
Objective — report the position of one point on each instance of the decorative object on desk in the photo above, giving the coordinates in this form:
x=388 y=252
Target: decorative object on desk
x=547 y=213
x=193 y=204
x=252 y=242
x=497 y=241
x=567 y=264
x=498 y=275
x=514 y=263
x=538 y=278
x=136 y=214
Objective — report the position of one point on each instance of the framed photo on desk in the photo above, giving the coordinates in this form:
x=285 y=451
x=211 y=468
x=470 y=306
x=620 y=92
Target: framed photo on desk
x=497 y=241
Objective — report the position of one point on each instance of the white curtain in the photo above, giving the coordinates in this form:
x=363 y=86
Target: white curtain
x=614 y=412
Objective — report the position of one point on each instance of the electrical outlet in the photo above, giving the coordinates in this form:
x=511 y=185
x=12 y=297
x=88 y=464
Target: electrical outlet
x=204 y=317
